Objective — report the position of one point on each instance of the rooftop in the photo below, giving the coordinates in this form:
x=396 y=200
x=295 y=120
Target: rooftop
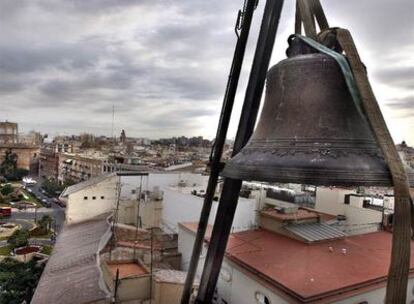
x=88 y=183
x=126 y=269
x=170 y=276
x=301 y=214
x=72 y=274
x=312 y=273
x=315 y=232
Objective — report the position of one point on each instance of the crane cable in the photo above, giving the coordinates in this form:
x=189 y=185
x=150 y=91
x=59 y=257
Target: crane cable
x=306 y=13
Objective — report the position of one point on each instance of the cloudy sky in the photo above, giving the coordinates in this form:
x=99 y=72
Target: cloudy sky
x=163 y=64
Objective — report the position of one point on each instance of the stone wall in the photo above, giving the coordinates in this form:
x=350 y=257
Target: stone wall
x=26 y=155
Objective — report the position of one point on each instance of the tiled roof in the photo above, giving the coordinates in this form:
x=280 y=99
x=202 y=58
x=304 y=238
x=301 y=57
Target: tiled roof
x=72 y=274
x=314 y=273
x=126 y=269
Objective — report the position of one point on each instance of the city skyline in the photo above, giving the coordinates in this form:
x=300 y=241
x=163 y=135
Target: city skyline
x=164 y=65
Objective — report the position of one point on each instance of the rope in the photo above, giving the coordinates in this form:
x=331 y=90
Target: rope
x=306 y=12
x=401 y=241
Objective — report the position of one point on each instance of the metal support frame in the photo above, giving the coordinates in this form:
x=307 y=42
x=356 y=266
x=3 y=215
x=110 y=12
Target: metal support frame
x=231 y=188
x=217 y=150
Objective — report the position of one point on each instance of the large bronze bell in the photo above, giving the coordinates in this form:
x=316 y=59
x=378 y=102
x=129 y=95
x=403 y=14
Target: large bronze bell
x=310 y=131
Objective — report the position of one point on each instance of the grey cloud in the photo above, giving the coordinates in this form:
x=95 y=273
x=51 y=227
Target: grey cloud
x=10 y=85
x=405 y=103
x=373 y=23
x=397 y=76
x=73 y=60
x=26 y=59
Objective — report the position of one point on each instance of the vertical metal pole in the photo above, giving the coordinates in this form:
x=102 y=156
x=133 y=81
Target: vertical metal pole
x=229 y=197
x=116 y=286
x=219 y=144
x=151 y=265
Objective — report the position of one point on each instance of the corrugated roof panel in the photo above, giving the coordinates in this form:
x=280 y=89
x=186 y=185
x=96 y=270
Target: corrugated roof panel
x=314 y=232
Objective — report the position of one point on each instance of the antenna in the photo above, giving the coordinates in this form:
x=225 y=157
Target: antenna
x=115 y=217
x=139 y=223
x=113 y=119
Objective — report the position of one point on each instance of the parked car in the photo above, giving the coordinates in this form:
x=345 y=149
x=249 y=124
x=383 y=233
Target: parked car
x=59 y=202
x=46 y=203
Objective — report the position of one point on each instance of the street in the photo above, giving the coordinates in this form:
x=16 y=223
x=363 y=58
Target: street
x=55 y=211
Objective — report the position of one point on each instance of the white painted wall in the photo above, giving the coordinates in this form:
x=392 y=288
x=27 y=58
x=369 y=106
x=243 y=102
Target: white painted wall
x=161 y=180
x=179 y=205
x=361 y=220
x=185 y=247
x=244 y=289
x=331 y=200
x=358 y=219
x=389 y=202
x=378 y=295
x=81 y=206
x=184 y=207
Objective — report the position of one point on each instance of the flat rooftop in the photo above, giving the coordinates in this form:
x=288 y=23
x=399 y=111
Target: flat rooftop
x=126 y=269
x=171 y=276
x=312 y=273
x=301 y=214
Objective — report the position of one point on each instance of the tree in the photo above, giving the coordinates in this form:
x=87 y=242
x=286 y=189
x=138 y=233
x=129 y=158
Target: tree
x=68 y=182
x=2 y=199
x=45 y=223
x=52 y=187
x=8 y=168
x=18 y=281
x=19 y=238
x=17 y=174
x=6 y=189
x=9 y=163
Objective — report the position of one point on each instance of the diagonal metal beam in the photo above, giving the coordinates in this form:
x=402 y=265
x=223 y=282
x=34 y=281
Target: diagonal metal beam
x=231 y=188
x=245 y=18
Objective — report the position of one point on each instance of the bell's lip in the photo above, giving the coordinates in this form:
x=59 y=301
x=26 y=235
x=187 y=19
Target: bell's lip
x=281 y=170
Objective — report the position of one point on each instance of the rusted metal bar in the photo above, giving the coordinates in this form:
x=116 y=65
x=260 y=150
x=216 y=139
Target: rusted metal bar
x=244 y=20
x=229 y=197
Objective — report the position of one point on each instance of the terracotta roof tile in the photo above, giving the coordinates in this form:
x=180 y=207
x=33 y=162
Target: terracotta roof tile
x=126 y=269
x=311 y=272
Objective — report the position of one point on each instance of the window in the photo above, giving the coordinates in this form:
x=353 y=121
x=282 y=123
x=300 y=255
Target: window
x=133 y=191
x=102 y=197
x=347 y=199
x=94 y=197
x=85 y=198
x=261 y=298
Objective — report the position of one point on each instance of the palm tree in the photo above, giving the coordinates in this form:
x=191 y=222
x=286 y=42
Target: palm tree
x=45 y=222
